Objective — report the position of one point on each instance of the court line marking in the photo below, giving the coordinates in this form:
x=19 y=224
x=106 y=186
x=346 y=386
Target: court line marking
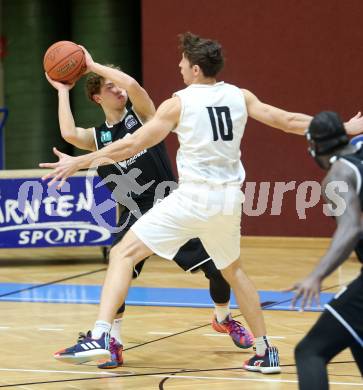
x=264 y=305
x=161 y=333
x=249 y=379
x=34 y=286
x=51 y=329
x=23 y=387
x=120 y=375
x=227 y=335
x=60 y=371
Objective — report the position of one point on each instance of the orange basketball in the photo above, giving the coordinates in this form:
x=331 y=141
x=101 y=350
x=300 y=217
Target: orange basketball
x=64 y=61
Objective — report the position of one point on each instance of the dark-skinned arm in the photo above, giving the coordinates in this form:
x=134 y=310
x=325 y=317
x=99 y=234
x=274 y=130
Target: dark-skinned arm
x=343 y=241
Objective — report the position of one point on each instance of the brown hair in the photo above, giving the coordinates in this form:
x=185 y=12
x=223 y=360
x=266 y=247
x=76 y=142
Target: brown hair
x=94 y=82
x=205 y=53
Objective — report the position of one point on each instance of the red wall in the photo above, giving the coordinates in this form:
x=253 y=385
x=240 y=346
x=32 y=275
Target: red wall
x=302 y=56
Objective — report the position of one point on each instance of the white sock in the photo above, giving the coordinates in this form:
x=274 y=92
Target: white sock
x=221 y=312
x=116 y=329
x=261 y=344
x=100 y=328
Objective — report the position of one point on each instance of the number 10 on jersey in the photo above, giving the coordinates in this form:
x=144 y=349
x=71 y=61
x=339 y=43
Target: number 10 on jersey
x=220 y=118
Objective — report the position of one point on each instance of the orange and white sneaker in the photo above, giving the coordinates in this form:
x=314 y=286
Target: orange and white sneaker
x=116 y=359
x=241 y=337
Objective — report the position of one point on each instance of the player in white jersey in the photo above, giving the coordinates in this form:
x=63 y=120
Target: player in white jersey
x=209 y=118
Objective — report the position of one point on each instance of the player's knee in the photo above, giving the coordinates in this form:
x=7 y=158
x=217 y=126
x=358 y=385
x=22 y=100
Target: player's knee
x=114 y=254
x=231 y=272
x=299 y=352
x=304 y=349
x=123 y=260
x=211 y=271
x=121 y=309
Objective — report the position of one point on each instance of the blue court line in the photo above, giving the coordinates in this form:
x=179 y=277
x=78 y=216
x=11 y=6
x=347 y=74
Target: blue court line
x=138 y=296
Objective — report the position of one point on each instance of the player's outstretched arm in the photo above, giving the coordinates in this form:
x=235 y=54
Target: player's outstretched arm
x=141 y=101
x=275 y=117
x=355 y=125
x=345 y=236
x=152 y=133
x=77 y=136
x=290 y=122
x=347 y=212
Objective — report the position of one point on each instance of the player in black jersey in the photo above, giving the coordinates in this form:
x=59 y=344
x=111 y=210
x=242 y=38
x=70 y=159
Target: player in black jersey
x=138 y=182
x=341 y=325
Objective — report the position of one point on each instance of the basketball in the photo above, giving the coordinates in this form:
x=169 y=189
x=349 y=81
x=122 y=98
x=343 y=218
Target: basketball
x=64 y=61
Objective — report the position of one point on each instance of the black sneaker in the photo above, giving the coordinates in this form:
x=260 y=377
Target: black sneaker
x=269 y=363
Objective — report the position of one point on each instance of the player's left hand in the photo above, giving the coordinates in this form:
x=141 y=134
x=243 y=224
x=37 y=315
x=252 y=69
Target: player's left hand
x=65 y=167
x=88 y=58
x=355 y=125
x=308 y=290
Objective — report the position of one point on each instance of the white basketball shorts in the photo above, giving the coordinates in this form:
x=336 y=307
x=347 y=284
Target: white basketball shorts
x=211 y=213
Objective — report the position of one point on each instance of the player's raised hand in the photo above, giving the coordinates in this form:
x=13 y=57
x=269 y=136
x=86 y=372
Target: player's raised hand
x=308 y=290
x=58 y=85
x=355 y=124
x=89 y=59
x=64 y=168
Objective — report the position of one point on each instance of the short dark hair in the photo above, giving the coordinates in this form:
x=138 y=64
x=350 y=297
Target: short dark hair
x=94 y=82
x=326 y=133
x=205 y=53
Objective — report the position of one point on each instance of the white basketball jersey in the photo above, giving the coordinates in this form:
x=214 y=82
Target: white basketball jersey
x=211 y=125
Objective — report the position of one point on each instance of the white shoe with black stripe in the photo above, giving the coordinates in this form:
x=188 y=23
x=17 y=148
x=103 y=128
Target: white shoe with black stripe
x=269 y=363
x=87 y=349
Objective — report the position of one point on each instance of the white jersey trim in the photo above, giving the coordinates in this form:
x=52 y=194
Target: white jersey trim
x=198 y=265
x=356 y=171
x=345 y=324
x=176 y=94
x=206 y=85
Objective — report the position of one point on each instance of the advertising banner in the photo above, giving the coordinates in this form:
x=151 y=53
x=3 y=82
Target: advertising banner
x=32 y=214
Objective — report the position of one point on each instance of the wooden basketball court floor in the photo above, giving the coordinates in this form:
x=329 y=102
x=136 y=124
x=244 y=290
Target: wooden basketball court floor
x=165 y=347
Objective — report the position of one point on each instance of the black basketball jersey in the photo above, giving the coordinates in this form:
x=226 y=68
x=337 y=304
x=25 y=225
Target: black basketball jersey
x=139 y=176
x=355 y=160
